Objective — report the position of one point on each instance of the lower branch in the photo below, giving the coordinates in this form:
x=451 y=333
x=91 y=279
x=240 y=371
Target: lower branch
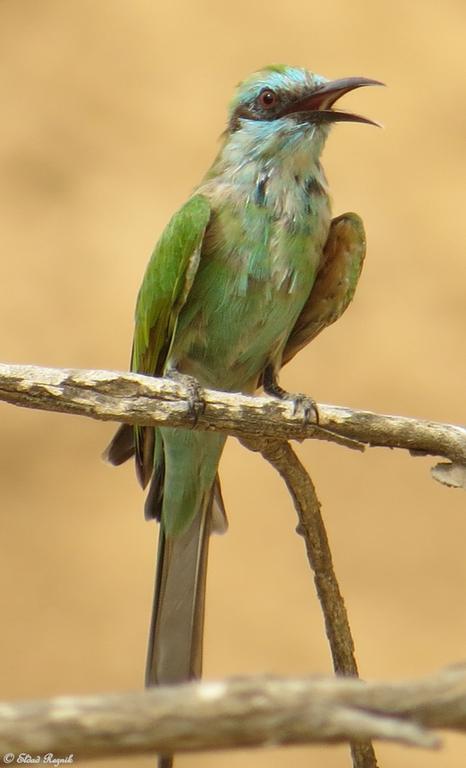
x=237 y=714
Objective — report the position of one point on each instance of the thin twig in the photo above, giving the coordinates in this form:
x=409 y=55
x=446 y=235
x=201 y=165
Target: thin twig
x=312 y=528
x=137 y=399
x=236 y=714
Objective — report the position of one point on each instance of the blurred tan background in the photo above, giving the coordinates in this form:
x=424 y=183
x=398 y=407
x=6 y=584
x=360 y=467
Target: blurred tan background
x=110 y=115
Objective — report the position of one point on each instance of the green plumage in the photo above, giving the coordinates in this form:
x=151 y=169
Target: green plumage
x=246 y=272
x=166 y=285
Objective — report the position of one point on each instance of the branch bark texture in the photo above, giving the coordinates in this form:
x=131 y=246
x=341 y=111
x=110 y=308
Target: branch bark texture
x=237 y=714
x=137 y=399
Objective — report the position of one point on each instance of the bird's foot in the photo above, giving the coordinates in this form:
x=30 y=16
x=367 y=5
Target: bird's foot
x=302 y=404
x=305 y=405
x=196 y=402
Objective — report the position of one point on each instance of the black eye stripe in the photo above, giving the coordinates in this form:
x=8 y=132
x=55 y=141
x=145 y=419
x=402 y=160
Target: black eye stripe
x=255 y=109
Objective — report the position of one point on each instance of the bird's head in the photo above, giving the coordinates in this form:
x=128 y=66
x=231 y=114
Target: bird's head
x=279 y=106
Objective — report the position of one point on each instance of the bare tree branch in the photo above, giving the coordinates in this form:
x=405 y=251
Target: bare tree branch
x=237 y=714
x=312 y=528
x=262 y=424
x=136 y=399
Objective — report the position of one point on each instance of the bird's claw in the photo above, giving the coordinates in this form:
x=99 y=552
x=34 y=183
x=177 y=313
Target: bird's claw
x=196 y=402
x=303 y=405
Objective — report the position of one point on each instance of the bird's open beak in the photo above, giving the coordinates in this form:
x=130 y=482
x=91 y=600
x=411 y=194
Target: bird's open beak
x=318 y=104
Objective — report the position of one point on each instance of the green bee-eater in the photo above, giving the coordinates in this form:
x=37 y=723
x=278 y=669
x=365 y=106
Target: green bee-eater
x=247 y=272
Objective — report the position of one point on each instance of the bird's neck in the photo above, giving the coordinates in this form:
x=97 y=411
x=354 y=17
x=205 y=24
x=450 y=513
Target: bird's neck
x=276 y=169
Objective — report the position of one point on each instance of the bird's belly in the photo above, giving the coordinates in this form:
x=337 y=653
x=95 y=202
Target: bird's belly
x=233 y=334
x=239 y=347
x=243 y=306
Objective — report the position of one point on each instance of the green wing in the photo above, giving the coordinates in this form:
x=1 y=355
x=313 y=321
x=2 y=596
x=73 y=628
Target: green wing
x=166 y=285
x=165 y=288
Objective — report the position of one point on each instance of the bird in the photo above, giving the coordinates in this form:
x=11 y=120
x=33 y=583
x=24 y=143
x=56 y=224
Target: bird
x=248 y=271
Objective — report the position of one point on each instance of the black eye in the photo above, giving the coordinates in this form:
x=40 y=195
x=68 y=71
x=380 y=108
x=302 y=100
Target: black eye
x=268 y=98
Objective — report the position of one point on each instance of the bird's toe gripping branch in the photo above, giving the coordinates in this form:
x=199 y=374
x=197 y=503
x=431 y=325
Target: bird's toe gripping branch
x=196 y=402
x=304 y=405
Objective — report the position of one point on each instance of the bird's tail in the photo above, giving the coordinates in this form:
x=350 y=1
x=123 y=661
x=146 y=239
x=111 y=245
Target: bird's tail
x=176 y=631
x=184 y=485
x=175 y=638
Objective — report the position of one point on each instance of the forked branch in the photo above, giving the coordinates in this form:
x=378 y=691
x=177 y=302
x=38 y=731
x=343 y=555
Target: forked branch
x=141 y=722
